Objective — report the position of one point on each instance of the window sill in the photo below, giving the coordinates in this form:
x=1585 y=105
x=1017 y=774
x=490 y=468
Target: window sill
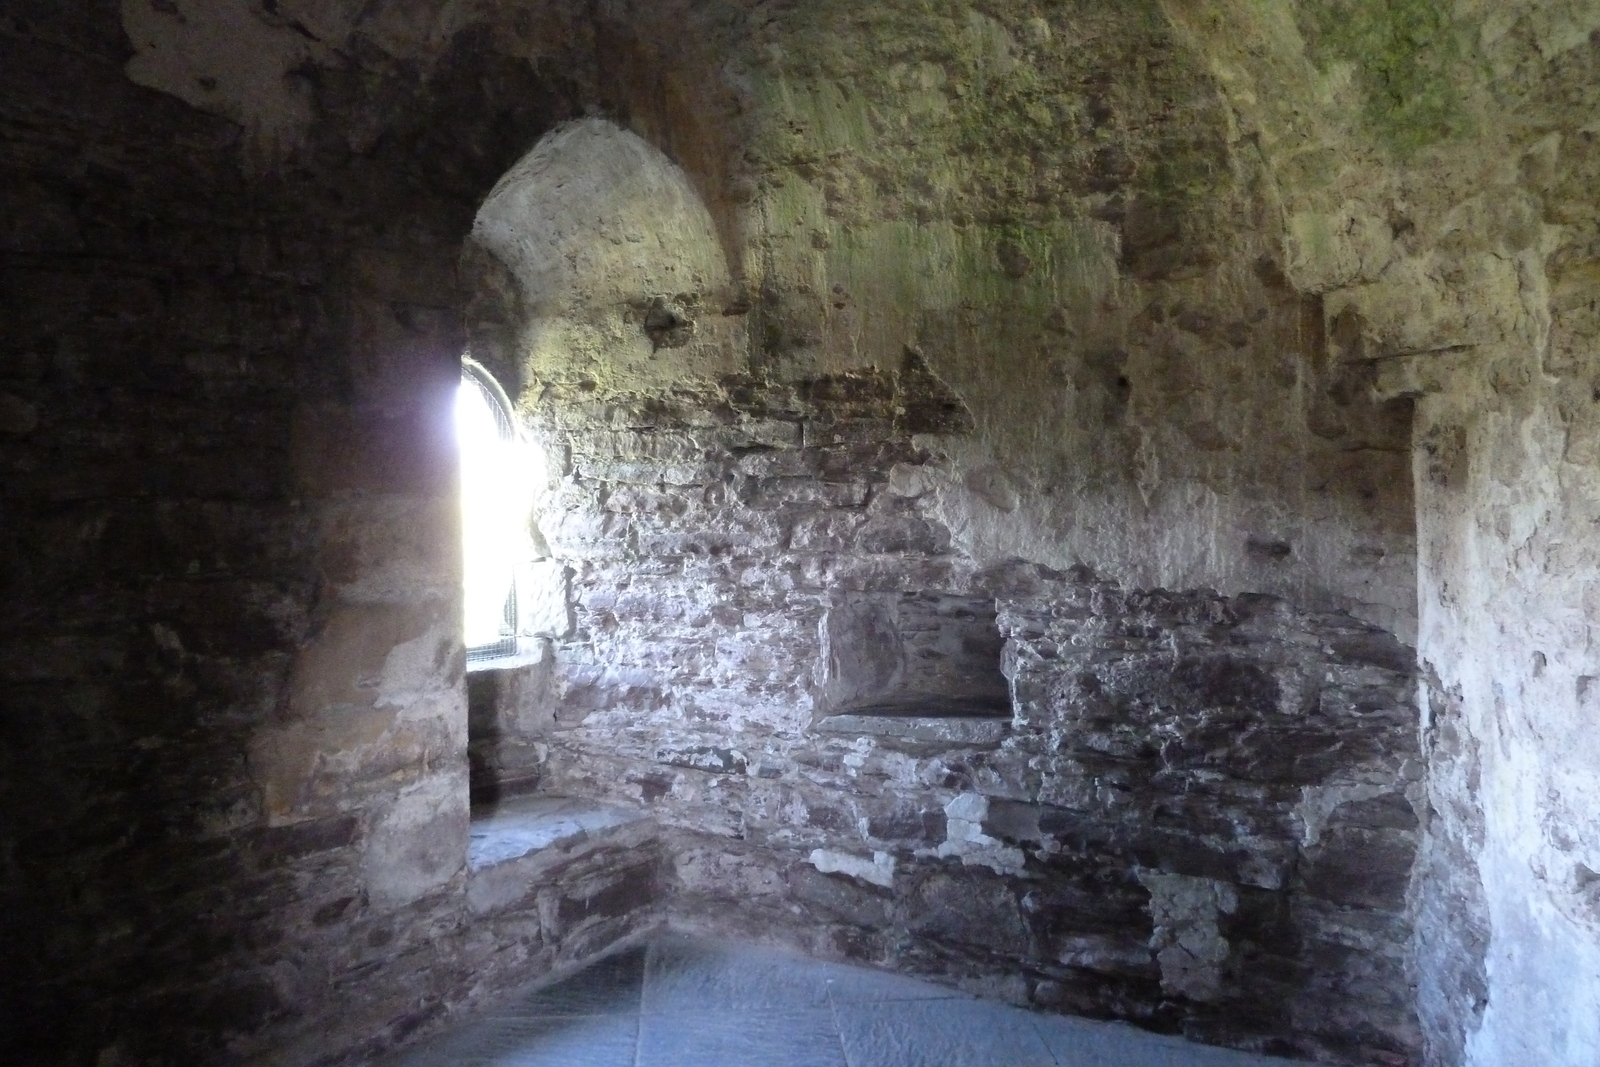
x=522 y=826
x=530 y=650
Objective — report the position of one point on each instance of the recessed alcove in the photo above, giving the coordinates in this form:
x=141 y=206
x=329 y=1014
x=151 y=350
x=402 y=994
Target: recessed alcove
x=915 y=656
x=509 y=715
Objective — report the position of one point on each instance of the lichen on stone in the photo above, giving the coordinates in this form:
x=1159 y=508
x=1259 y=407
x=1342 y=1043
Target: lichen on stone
x=1408 y=57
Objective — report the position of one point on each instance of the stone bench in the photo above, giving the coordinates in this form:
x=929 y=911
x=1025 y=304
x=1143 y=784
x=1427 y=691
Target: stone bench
x=564 y=858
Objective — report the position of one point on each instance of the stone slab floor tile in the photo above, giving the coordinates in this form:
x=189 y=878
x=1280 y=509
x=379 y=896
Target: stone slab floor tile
x=858 y=985
x=572 y=1041
x=685 y=975
x=740 y=1039
x=685 y=1003
x=612 y=985
x=1086 y=1043
x=940 y=1033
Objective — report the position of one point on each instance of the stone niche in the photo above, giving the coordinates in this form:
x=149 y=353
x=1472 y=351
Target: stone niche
x=509 y=714
x=914 y=655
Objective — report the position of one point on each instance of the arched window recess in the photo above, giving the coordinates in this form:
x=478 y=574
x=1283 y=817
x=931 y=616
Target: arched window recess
x=500 y=467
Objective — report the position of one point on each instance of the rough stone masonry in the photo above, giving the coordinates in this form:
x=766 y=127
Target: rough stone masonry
x=1090 y=501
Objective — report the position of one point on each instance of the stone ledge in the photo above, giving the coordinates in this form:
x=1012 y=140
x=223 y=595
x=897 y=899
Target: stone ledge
x=942 y=729
x=521 y=826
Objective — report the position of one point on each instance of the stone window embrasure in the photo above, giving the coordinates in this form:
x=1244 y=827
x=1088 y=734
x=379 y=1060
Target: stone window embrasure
x=498 y=470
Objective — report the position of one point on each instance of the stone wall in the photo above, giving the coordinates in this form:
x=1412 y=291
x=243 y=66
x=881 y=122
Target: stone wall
x=234 y=777
x=1200 y=815
x=156 y=568
x=1114 y=315
x=240 y=776
x=1438 y=177
x=1094 y=365
x=509 y=716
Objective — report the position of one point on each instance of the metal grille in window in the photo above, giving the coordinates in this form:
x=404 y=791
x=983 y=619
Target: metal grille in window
x=473 y=375
x=507 y=645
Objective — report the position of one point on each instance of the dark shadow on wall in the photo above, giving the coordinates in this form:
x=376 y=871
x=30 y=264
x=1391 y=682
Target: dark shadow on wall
x=164 y=564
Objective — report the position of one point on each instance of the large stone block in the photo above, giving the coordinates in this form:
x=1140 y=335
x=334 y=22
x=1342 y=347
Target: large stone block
x=973 y=910
x=417 y=844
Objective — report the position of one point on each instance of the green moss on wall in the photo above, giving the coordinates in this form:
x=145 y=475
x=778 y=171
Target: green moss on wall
x=975 y=165
x=940 y=267
x=1407 y=55
x=906 y=109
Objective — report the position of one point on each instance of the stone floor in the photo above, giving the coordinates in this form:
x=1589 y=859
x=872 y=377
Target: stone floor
x=684 y=1003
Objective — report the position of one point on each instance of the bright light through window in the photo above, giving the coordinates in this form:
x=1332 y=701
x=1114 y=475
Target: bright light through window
x=498 y=472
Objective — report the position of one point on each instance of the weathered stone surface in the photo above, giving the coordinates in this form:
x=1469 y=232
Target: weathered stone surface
x=916 y=655
x=1169 y=740
x=876 y=870
x=943 y=730
x=1169 y=330
x=1478 y=331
